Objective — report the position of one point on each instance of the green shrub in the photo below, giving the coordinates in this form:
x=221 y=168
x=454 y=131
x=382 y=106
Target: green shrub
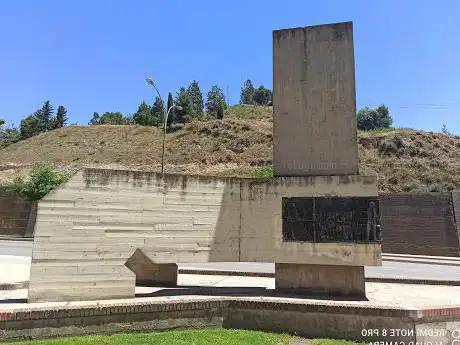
x=264 y=172
x=43 y=179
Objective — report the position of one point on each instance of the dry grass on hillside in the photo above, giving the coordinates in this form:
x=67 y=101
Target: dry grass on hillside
x=405 y=160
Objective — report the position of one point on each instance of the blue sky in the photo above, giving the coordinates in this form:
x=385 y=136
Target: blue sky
x=94 y=55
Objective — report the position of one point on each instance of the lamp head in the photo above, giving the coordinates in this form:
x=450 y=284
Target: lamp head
x=150 y=81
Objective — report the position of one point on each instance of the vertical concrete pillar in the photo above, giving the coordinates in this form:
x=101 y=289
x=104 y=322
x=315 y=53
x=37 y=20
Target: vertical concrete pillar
x=314 y=106
x=315 y=133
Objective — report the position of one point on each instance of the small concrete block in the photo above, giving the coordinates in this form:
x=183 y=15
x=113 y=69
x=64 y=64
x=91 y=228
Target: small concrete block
x=149 y=273
x=326 y=280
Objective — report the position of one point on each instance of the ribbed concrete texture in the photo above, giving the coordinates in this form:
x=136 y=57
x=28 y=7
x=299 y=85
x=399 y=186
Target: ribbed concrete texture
x=321 y=279
x=420 y=223
x=89 y=228
x=314 y=107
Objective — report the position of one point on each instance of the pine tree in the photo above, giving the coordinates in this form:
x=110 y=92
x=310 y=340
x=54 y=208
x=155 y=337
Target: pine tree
x=61 y=117
x=172 y=114
x=184 y=101
x=45 y=117
x=158 y=112
x=247 y=93
x=197 y=100
x=144 y=115
x=215 y=104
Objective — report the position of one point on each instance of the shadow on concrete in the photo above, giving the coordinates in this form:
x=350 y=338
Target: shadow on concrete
x=185 y=290
x=13 y=300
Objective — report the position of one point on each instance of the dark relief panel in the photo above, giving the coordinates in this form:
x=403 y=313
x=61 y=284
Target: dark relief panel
x=333 y=219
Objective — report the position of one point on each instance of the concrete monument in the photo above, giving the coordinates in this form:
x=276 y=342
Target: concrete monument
x=315 y=134
x=105 y=230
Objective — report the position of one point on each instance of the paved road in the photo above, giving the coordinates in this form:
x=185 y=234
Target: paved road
x=16 y=248
x=436 y=269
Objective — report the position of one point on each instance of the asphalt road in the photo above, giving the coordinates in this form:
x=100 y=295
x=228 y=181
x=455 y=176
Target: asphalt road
x=16 y=248
x=431 y=269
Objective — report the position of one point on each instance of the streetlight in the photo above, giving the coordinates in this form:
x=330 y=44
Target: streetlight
x=165 y=123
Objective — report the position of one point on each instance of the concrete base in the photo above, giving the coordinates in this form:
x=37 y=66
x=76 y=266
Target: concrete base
x=321 y=279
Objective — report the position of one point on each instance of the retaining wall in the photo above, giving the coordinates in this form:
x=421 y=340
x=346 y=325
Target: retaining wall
x=90 y=227
x=420 y=223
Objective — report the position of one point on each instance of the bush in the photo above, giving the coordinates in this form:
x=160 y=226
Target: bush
x=391 y=146
x=43 y=179
x=264 y=172
x=370 y=119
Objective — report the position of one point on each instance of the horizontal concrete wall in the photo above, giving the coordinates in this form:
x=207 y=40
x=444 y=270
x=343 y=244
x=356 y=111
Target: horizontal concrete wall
x=88 y=229
x=17 y=217
x=420 y=223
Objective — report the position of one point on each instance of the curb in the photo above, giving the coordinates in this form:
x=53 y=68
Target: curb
x=211 y=272
x=12 y=238
x=25 y=284
x=272 y=275
x=422 y=261
x=421 y=257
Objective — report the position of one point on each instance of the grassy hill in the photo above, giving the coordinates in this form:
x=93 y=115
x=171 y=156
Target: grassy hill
x=405 y=160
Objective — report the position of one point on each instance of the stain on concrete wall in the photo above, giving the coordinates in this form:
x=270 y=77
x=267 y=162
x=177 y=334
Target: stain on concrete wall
x=17 y=217
x=419 y=223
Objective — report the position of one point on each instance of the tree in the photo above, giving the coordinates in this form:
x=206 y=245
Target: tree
x=61 y=117
x=215 y=103
x=2 y=122
x=110 y=118
x=444 y=130
x=158 y=111
x=45 y=117
x=197 y=100
x=172 y=115
x=144 y=115
x=369 y=119
x=29 y=127
x=184 y=101
x=8 y=135
x=262 y=96
x=95 y=119
x=247 y=93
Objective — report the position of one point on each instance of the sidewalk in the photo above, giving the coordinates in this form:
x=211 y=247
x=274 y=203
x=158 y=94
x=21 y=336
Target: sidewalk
x=378 y=294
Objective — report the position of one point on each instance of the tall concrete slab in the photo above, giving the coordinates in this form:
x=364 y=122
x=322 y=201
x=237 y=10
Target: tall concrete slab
x=314 y=106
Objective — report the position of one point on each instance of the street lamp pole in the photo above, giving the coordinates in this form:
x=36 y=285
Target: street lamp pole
x=165 y=123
